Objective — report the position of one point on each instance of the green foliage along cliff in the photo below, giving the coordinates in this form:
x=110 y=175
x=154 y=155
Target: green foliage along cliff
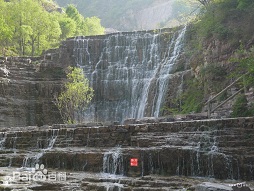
x=76 y=96
x=219 y=46
x=27 y=27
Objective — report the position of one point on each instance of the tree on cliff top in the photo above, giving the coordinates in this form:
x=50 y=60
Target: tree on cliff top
x=76 y=96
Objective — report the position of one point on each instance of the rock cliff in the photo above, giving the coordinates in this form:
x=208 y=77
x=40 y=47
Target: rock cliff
x=27 y=88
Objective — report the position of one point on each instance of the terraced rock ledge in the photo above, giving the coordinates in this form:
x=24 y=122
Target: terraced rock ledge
x=171 y=155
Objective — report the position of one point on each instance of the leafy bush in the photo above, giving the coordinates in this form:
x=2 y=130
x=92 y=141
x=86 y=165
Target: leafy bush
x=212 y=77
x=76 y=96
x=189 y=101
x=240 y=107
x=243 y=4
x=245 y=58
x=192 y=99
x=212 y=21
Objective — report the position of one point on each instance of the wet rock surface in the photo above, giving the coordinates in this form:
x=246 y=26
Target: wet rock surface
x=211 y=149
x=208 y=186
x=76 y=181
x=130 y=72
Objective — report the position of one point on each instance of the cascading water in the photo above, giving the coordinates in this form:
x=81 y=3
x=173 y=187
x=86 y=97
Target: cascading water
x=130 y=72
x=5 y=70
x=2 y=140
x=113 y=161
x=164 y=75
x=34 y=157
x=52 y=139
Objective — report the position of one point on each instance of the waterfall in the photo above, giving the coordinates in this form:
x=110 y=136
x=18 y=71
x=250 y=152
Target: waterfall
x=52 y=139
x=5 y=70
x=113 y=161
x=34 y=157
x=31 y=159
x=130 y=72
x=164 y=76
x=2 y=140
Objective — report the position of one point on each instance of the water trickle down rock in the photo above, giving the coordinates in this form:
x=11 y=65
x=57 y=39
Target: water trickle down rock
x=2 y=140
x=210 y=149
x=32 y=158
x=130 y=72
x=113 y=161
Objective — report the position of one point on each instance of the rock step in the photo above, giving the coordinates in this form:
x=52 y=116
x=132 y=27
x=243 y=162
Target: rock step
x=163 y=148
x=153 y=127
x=235 y=144
x=157 y=159
x=4 y=161
x=141 y=139
x=144 y=140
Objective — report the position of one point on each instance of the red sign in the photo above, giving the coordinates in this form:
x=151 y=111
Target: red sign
x=134 y=162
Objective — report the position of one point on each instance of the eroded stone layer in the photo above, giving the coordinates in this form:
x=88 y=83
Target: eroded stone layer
x=221 y=149
x=27 y=90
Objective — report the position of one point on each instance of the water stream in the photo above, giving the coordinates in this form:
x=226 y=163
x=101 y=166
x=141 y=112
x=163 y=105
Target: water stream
x=33 y=157
x=113 y=161
x=2 y=140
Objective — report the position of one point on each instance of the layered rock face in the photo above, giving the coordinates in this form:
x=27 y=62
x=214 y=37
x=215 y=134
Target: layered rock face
x=131 y=72
x=170 y=155
x=220 y=149
x=27 y=88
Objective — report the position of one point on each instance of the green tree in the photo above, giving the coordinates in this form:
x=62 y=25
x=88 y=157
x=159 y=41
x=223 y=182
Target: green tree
x=68 y=27
x=93 y=25
x=6 y=32
x=245 y=60
x=5 y=35
x=51 y=34
x=28 y=27
x=34 y=28
x=84 y=26
x=242 y=4
x=73 y=13
x=76 y=96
